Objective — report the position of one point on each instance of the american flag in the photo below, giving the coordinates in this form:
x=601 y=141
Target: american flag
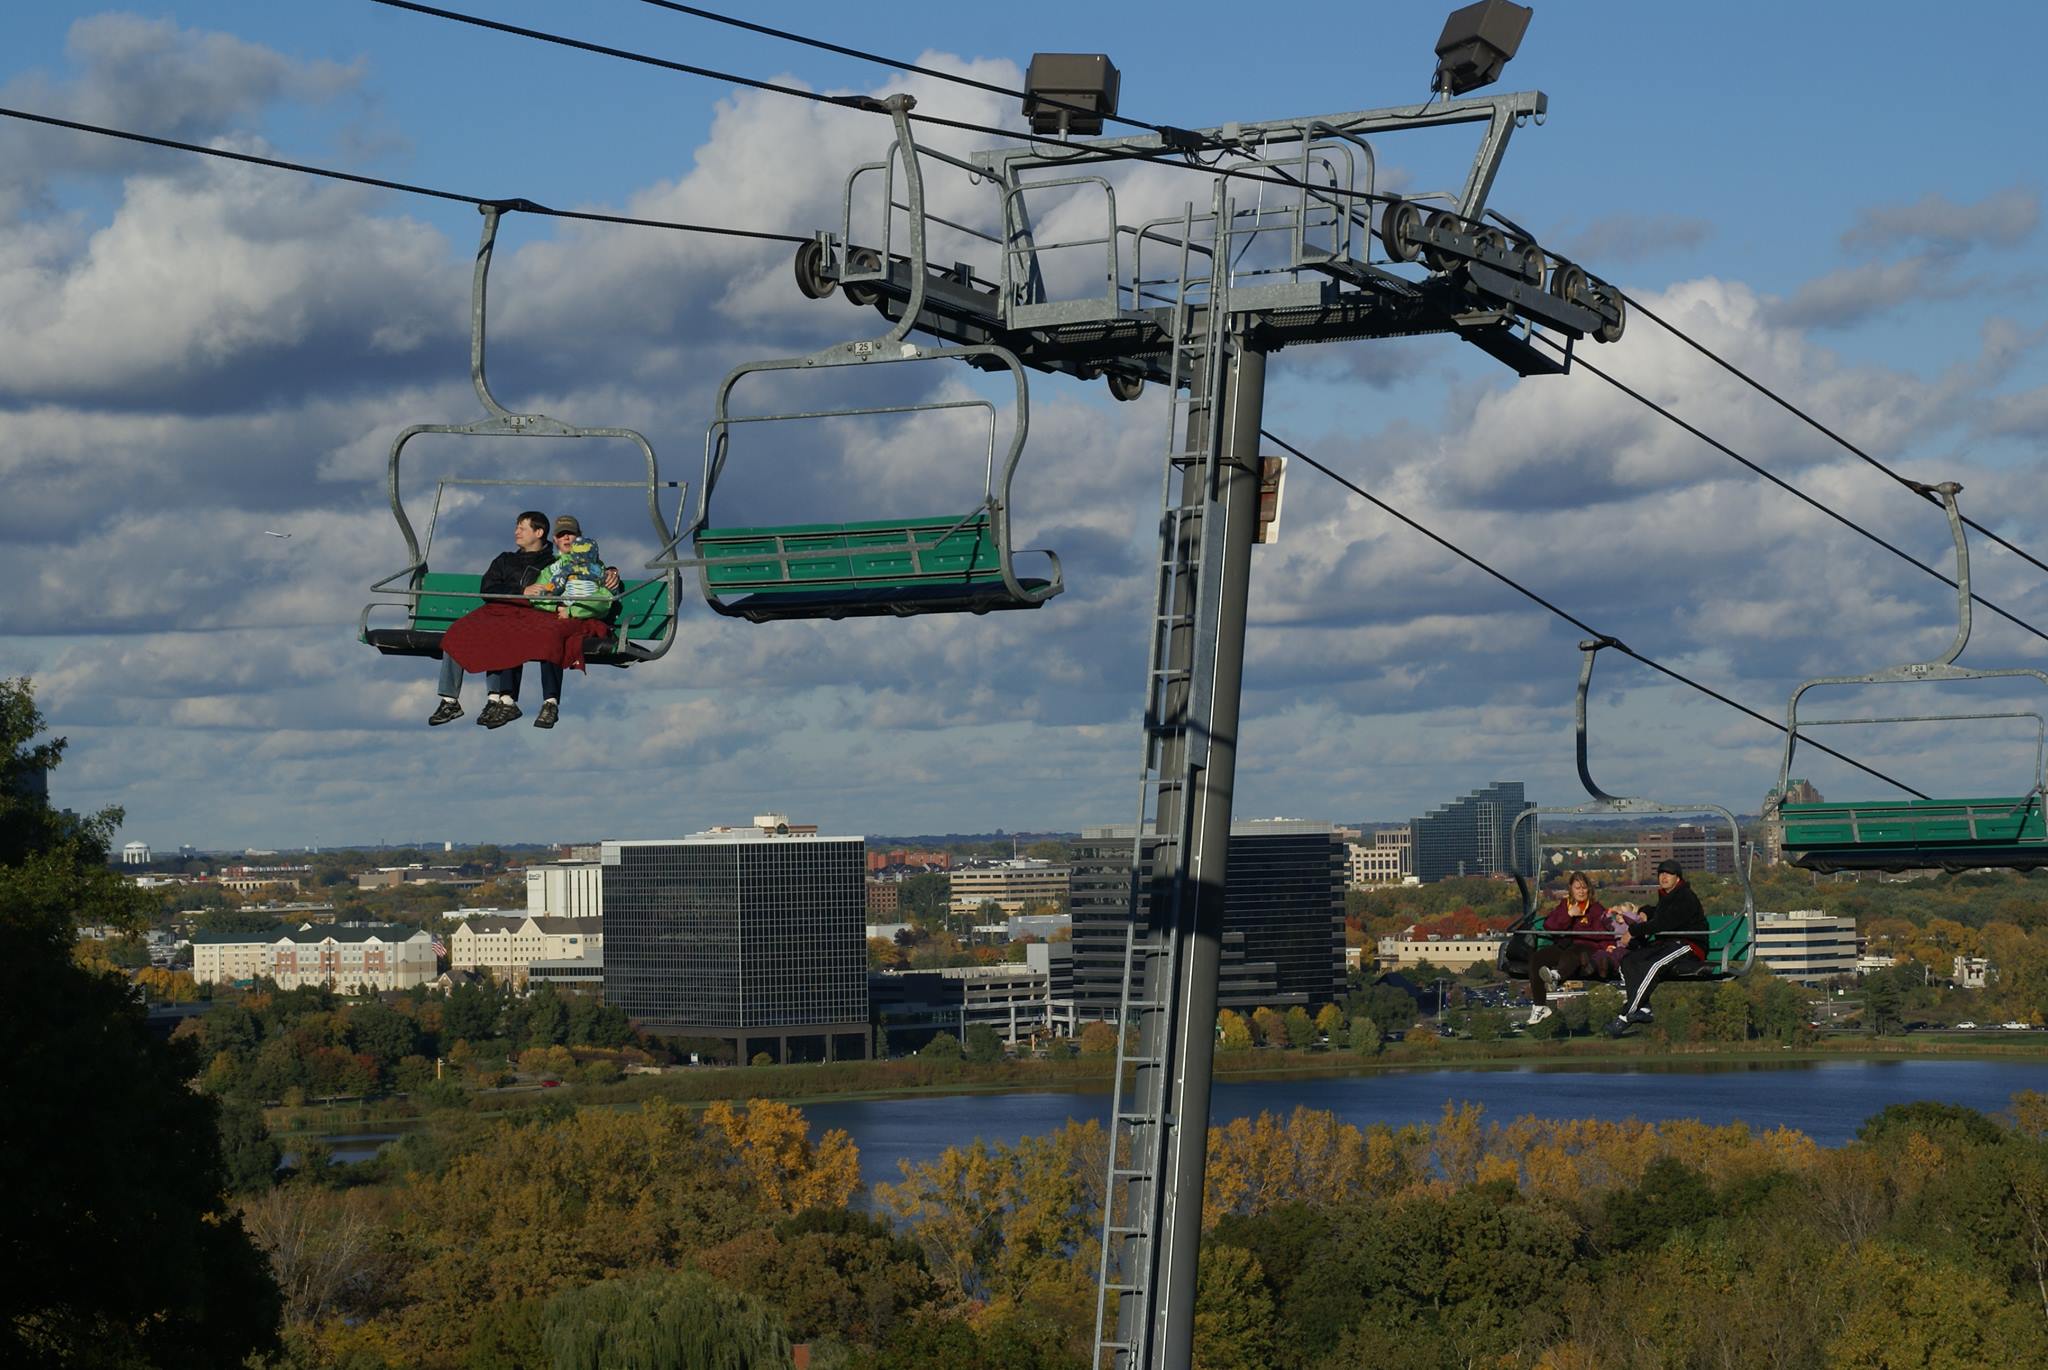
x=440 y=947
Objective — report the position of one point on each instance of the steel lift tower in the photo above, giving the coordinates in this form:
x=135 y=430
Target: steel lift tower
x=1281 y=252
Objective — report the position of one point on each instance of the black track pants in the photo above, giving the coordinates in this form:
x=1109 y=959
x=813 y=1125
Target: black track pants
x=1644 y=965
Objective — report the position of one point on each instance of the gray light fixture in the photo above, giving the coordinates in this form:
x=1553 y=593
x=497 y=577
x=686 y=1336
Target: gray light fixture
x=1086 y=79
x=1477 y=42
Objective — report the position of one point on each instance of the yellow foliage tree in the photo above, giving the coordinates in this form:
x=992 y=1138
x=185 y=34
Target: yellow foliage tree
x=1236 y=1034
x=772 y=1145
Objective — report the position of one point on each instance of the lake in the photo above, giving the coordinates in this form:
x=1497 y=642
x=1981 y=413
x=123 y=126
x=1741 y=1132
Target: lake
x=1827 y=1100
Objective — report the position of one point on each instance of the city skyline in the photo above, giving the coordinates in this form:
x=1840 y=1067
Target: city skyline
x=209 y=354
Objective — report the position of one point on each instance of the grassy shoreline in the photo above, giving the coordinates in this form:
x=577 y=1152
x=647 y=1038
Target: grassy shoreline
x=856 y=1081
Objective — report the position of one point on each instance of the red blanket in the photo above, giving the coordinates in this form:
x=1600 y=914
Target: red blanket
x=498 y=637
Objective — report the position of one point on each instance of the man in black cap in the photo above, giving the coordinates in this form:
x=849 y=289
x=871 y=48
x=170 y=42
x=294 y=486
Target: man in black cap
x=1670 y=939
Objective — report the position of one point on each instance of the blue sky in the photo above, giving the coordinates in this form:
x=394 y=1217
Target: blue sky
x=195 y=353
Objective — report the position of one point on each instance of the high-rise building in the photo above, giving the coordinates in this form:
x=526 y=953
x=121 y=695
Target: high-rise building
x=1469 y=836
x=755 y=935
x=1283 y=919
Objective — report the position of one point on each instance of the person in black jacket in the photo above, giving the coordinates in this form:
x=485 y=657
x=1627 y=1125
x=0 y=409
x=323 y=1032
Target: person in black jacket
x=508 y=576
x=1670 y=940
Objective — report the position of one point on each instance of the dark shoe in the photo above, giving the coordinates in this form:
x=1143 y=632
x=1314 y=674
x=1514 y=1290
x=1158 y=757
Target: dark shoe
x=1642 y=1015
x=1617 y=1027
x=549 y=712
x=506 y=713
x=487 y=713
x=449 y=711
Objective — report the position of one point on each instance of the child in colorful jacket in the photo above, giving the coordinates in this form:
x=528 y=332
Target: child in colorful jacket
x=573 y=584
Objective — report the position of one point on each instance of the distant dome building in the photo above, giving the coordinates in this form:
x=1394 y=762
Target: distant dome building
x=135 y=854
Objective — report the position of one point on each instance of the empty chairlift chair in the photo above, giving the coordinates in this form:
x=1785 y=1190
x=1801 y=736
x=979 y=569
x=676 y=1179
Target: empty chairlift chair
x=643 y=621
x=1731 y=938
x=956 y=561
x=2005 y=831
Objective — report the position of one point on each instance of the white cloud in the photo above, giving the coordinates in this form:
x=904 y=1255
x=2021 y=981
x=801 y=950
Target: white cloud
x=230 y=349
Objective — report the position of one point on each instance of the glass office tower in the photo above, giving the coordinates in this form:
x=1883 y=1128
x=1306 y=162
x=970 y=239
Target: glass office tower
x=1469 y=836
x=747 y=934
x=1283 y=919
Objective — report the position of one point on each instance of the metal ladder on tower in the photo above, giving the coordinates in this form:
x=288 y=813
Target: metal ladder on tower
x=1185 y=613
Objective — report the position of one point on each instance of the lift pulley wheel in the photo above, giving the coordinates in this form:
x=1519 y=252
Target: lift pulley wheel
x=810 y=271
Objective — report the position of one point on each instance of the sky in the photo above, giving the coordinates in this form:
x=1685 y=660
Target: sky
x=194 y=353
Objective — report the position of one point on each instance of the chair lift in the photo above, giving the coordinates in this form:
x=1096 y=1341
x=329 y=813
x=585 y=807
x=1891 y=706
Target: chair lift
x=945 y=563
x=643 y=618
x=1731 y=938
x=1916 y=834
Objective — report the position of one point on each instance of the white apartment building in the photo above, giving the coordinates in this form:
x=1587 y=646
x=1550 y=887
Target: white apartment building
x=1445 y=953
x=1012 y=886
x=1388 y=859
x=351 y=959
x=565 y=889
x=510 y=945
x=1808 y=945
x=231 y=958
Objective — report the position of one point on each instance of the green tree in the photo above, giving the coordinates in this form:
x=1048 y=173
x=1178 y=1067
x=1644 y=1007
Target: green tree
x=1387 y=1005
x=665 y=1320
x=248 y=1152
x=1233 y=1311
x=547 y=1018
x=124 y=1255
x=943 y=1046
x=984 y=1044
x=1727 y=1015
x=471 y=1013
x=1300 y=1028
x=1365 y=1036
x=1883 y=998
x=382 y=1033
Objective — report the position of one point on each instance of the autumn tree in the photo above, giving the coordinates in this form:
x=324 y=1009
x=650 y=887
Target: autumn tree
x=1270 y=1027
x=1098 y=1039
x=772 y=1148
x=1233 y=1033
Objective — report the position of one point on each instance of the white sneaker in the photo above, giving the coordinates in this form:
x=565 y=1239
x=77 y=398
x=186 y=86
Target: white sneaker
x=1538 y=1012
x=1551 y=977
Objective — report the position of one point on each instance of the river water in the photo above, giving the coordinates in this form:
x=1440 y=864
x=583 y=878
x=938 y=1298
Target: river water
x=1827 y=1100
